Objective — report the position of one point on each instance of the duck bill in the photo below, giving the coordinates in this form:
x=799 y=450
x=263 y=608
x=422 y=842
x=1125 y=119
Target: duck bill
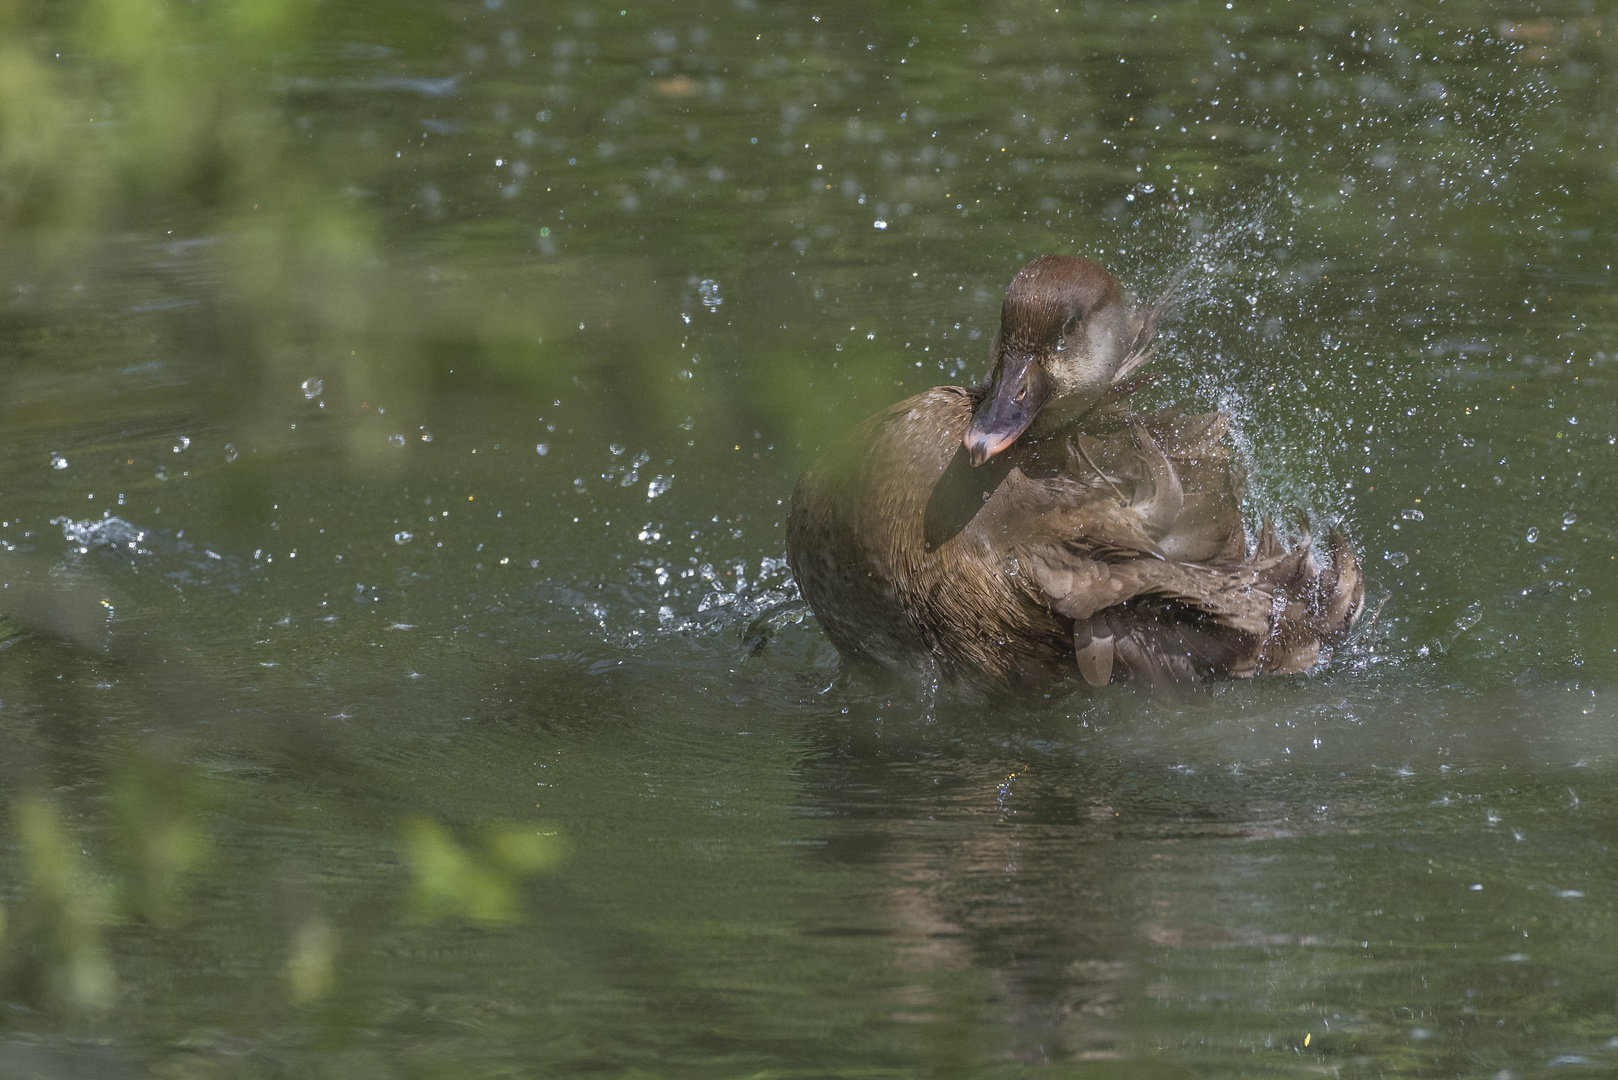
x=1013 y=402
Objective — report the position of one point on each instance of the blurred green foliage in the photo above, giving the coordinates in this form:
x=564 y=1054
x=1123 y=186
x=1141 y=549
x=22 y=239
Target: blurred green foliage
x=311 y=967
x=157 y=104
x=158 y=838
x=54 y=953
x=477 y=882
x=157 y=118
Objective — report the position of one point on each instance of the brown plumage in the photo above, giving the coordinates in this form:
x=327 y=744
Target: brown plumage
x=1016 y=534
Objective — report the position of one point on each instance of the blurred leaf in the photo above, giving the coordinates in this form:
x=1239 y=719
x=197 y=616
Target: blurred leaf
x=481 y=885
x=55 y=954
x=311 y=968
x=158 y=841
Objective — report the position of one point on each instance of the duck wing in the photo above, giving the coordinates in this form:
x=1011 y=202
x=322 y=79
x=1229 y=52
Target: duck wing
x=1167 y=622
x=1187 y=485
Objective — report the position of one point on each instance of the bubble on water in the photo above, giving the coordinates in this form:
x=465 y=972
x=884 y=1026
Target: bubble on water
x=58 y=461
x=709 y=291
x=879 y=224
x=230 y=452
x=1533 y=535
x=616 y=448
x=1470 y=617
x=1569 y=518
x=162 y=473
x=1412 y=515
x=426 y=436
x=542 y=449
x=658 y=486
x=396 y=440
x=182 y=443
x=1397 y=558
x=312 y=388
x=403 y=537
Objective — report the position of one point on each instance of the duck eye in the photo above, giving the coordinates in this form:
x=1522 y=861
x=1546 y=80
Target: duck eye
x=1022 y=392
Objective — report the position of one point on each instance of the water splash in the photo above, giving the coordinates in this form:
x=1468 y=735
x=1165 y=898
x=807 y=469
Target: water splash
x=113 y=533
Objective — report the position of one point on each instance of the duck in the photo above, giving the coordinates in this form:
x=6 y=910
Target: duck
x=1035 y=530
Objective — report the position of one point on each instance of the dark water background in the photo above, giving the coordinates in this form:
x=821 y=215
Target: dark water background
x=397 y=408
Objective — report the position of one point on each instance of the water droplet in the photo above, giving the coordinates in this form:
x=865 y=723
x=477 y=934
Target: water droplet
x=709 y=291
x=658 y=486
x=396 y=440
x=230 y=452
x=58 y=461
x=1412 y=515
x=312 y=388
x=1533 y=535
x=1470 y=617
x=1397 y=558
x=1569 y=518
x=403 y=537
x=879 y=224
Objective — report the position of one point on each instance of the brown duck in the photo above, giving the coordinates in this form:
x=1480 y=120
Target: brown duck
x=1015 y=534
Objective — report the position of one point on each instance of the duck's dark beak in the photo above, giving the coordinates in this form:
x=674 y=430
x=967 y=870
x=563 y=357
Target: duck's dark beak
x=1013 y=402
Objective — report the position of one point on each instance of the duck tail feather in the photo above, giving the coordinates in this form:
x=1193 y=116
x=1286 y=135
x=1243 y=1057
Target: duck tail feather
x=1345 y=600
x=1314 y=606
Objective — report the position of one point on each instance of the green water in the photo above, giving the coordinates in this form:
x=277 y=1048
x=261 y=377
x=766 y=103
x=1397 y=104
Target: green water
x=398 y=407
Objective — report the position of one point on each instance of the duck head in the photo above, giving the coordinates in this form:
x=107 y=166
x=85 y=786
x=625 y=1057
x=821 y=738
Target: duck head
x=1064 y=332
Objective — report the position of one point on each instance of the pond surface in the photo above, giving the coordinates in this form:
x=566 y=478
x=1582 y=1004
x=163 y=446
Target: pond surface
x=399 y=670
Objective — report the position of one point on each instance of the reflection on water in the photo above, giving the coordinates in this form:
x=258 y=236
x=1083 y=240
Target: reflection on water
x=399 y=672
